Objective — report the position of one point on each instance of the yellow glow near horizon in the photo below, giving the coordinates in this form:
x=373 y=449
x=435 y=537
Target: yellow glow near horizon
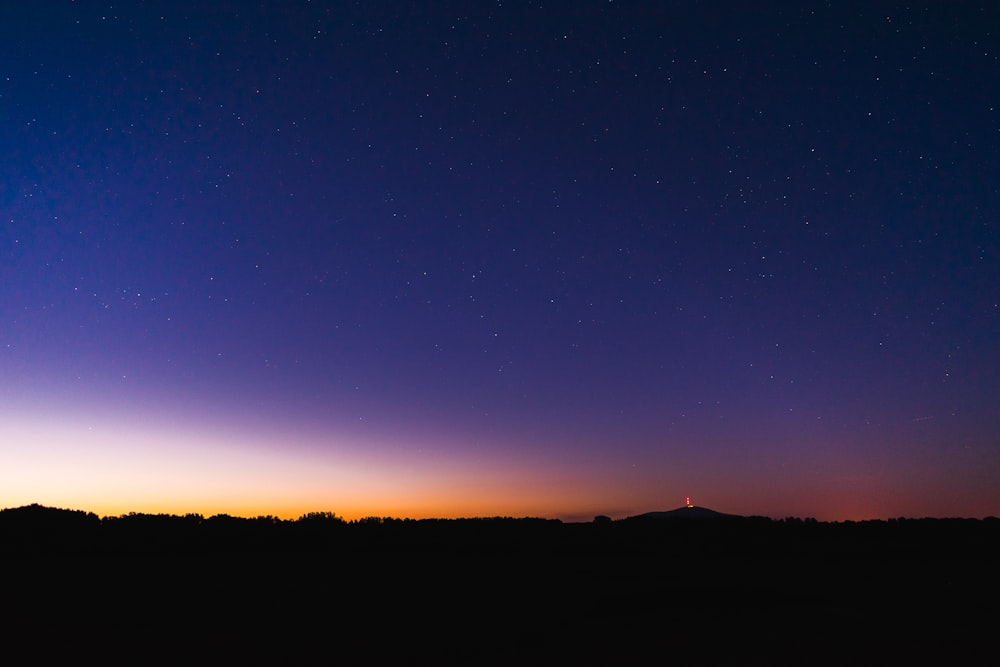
x=110 y=468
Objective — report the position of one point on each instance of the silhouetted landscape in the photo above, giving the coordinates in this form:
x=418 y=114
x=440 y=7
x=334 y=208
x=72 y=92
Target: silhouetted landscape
x=688 y=586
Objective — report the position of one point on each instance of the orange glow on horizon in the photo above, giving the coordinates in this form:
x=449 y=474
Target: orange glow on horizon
x=100 y=465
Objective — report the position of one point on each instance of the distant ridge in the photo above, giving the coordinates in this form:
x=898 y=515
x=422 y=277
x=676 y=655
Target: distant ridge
x=688 y=512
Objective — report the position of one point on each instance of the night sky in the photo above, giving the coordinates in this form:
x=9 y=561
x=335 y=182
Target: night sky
x=556 y=259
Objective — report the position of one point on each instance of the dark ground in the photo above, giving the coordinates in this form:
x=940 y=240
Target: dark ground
x=159 y=590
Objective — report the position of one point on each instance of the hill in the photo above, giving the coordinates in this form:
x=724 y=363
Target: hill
x=687 y=512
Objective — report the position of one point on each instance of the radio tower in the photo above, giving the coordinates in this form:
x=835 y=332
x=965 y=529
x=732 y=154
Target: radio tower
x=687 y=501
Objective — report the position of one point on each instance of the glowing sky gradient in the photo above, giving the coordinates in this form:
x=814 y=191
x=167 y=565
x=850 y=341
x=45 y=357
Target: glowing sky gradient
x=475 y=259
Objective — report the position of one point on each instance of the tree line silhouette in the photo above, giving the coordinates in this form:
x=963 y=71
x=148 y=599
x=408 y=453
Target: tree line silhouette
x=34 y=529
x=501 y=590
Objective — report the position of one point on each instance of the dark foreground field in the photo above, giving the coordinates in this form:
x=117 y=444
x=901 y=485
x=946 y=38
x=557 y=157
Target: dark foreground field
x=179 y=590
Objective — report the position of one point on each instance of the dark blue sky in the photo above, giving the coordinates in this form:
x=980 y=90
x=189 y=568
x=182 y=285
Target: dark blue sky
x=502 y=258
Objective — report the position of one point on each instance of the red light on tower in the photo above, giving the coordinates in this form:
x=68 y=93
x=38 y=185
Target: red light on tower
x=688 y=501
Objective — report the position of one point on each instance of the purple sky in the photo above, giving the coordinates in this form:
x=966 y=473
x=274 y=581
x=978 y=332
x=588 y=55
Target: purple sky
x=551 y=259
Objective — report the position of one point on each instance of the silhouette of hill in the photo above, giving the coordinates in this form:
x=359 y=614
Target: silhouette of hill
x=687 y=512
